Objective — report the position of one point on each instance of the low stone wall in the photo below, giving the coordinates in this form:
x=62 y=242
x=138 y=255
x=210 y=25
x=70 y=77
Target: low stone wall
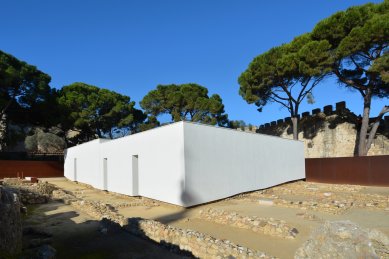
x=96 y=209
x=334 y=199
x=176 y=239
x=267 y=226
x=30 y=193
x=10 y=224
x=200 y=245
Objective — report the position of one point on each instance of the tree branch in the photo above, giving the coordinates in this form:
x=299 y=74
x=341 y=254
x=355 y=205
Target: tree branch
x=304 y=86
x=316 y=82
x=374 y=128
x=288 y=93
x=357 y=65
x=278 y=101
x=5 y=108
x=349 y=82
x=279 y=97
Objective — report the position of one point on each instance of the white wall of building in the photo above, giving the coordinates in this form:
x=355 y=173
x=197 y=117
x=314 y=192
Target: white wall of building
x=222 y=162
x=160 y=154
x=82 y=163
x=186 y=163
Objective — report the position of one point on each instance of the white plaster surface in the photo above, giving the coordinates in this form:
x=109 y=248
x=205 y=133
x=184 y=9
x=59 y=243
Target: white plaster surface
x=88 y=163
x=222 y=162
x=188 y=164
x=160 y=163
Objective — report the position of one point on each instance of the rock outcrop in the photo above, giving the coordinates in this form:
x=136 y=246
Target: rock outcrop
x=10 y=223
x=344 y=239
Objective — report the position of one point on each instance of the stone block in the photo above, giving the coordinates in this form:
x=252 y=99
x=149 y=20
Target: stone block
x=280 y=121
x=340 y=106
x=273 y=123
x=266 y=202
x=305 y=114
x=327 y=109
x=316 y=111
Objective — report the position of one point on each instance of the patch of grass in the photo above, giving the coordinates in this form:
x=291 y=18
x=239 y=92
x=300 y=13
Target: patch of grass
x=31 y=209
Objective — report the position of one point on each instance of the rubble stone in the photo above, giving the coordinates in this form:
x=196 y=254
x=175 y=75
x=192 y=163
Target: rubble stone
x=344 y=239
x=267 y=226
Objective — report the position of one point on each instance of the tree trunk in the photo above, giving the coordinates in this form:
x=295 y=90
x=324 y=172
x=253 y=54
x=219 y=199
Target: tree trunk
x=99 y=133
x=295 y=128
x=5 y=108
x=374 y=128
x=362 y=151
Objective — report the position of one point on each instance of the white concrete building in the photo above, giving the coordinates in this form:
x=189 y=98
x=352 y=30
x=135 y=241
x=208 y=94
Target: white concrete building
x=186 y=163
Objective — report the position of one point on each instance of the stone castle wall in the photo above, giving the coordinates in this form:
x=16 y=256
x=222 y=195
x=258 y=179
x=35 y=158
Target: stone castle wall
x=329 y=132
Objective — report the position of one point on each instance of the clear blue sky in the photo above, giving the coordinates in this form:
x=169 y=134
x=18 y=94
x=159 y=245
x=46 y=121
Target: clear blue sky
x=132 y=46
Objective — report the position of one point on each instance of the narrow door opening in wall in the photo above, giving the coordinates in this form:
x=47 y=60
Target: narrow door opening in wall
x=135 y=176
x=105 y=174
x=75 y=169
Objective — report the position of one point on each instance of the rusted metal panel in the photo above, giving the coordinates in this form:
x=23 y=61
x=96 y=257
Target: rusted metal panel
x=17 y=168
x=369 y=170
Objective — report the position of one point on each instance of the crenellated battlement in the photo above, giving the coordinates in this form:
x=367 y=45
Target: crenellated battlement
x=328 y=110
x=329 y=131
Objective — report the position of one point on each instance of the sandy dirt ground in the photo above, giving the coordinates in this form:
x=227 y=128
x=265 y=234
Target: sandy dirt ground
x=296 y=203
x=75 y=234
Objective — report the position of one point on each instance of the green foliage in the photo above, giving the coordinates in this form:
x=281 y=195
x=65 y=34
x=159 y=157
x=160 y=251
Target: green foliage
x=185 y=102
x=286 y=74
x=25 y=95
x=97 y=112
x=150 y=123
x=24 y=91
x=235 y=124
x=359 y=39
x=338 y=26
x=381 y=68
x=272 y=76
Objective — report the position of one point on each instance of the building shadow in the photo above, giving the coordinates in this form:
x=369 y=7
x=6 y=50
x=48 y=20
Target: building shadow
x=186 y=197
x=73 y=235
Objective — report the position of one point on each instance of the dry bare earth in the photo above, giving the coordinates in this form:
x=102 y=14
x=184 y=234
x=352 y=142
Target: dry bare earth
x=300 y=205
x=75 y=234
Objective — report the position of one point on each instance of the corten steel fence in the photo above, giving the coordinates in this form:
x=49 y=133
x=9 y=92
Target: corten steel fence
x=17 y=168
x=21 y=164
x=368 y=170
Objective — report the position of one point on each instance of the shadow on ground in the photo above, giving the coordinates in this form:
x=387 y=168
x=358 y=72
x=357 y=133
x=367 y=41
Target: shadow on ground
x=74 y=235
